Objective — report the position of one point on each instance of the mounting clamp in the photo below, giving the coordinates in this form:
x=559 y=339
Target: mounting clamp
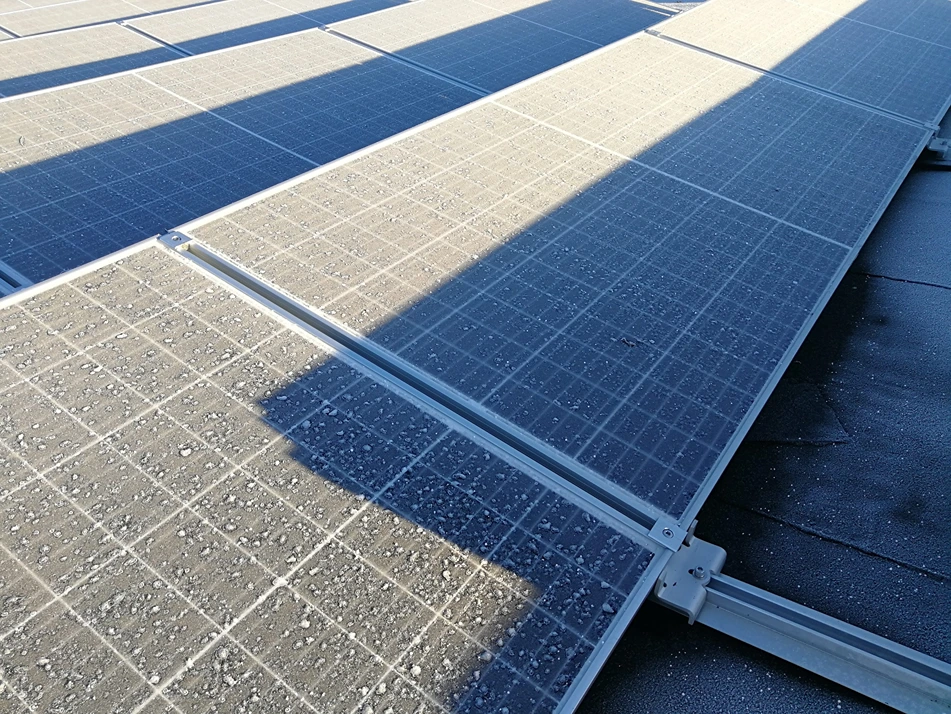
x=682 y=586
x=893 y=674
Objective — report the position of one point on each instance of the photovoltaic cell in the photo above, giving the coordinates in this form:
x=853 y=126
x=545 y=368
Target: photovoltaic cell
x=849 y=57
x=223 y=24
x=794 y=154
x=599 y=21
x=82 y=12
x=467 y=40
x=89 y=169
x=33 y=63
x=313 y=93
x=280 y=531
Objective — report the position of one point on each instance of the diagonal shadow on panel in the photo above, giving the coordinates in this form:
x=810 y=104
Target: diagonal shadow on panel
x=61 y=206
x=626 y=317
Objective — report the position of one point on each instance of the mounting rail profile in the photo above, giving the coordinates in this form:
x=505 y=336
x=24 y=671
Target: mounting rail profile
x=880 y=669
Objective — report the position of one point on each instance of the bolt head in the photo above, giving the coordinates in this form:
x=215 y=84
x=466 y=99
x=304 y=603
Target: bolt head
x=668 y=533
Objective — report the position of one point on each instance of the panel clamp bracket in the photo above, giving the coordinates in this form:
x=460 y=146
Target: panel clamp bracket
x=693 y=585
x=682 y=585
x=937 y=152
x=669 y=534
x=174 y=240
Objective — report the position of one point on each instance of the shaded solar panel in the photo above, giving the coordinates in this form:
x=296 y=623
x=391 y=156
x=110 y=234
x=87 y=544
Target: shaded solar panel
x=89 y=169
x=327 y=11
x=599 y=21
x=224 y=24
x=896 y=72
x=34 y=63
x=467 y=40
x=316 y=94
x=628 y=317
x=308 y=538
x=928 y=20
x=82 y=12
x=792 y=153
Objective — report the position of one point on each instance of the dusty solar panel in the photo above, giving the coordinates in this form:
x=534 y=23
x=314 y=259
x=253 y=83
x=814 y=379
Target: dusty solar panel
x=467 y=40
x=599 y=21
x=34 y=63
x=792 y=153
x=327 y=11
x=820 y=49
x=224 y=24
x=280 y=531
x=316 y=94
x=82 y=12
x=928 y=20
x=628 y=317
x=85 y=170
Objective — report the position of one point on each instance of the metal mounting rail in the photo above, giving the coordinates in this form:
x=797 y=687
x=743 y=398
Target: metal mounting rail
x=871 y=665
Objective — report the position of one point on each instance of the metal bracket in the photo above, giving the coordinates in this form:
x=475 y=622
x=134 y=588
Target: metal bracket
x=898 y=676
x=669 y=534
x=938 y=152
x=174 y=240
x=682 y=585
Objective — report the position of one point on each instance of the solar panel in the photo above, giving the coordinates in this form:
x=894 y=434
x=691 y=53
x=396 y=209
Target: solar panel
x=92 y=168
x=313 y=93
x=924 y=19
x=123 y=159
x=628 y=314
x=327 y=11
x=599 y=21
x=224 y=24
x=81 y=13
x=301 y=535
x=774 y=147
x=33 y=63
x=770 y=35
x=467 y=40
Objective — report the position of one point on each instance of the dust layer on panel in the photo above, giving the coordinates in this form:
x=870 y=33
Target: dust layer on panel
x=223 y=24
x=884 y=68
x=83 y=12
x=92 y=168
x=192 y=467
x=819 y=163
x=315 y=94
x=34 y=63
x=486 y=46
x=625 y=318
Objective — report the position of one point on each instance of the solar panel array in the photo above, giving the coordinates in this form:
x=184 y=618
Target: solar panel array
x=335 y=550
x=487 y=47
x=34 y=63
x=92 y=168
x=768 y=33
x=582 y=288
x=601 y=22
x=289 y=103
x=315 y=94
x=80 y=13
x=225 y=24
x=234 y=22
x=626 y=312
